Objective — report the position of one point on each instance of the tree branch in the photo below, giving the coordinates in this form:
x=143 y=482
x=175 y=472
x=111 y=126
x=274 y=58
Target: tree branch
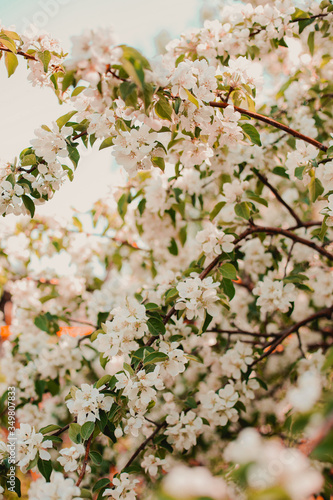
x=316 y=16
x=323 y=313
x=242 y=332
x=19 y=53
x=308 y=447
x=85 y=461
x=283 y=232
x=265 y=181
x=145 y=442
x=273 y=123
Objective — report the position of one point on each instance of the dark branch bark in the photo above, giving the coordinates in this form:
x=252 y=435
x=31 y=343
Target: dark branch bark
x=323 y=313
x=85 y=461
x=273 y=123
x=144 y=444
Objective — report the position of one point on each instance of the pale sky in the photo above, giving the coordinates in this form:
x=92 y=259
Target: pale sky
x=24 y=108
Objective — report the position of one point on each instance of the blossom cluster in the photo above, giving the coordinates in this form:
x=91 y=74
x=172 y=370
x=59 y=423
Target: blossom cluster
x=176 y=340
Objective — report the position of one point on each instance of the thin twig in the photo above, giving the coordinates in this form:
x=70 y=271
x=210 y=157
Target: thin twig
x=85 y=461
x=144 y=444
x=60 y=431
x=323 y=313
x=277 y=195
x=324 y=430
x=300 y=344
x=242 y=332
x=19 y=53
x=283 y=232
x=273 y=123
x=288 y=259
x=316 y=16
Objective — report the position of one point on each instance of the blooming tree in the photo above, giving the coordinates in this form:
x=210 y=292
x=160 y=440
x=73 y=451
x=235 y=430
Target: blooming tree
x=203 y=287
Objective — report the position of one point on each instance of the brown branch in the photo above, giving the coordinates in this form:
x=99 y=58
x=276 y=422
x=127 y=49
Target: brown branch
x=85 y=461
x=323 y=313
x=109 y=70
x=308 y=447
x=60 y=431
x=19 y=53
x=316 y=16
x=310 y=223
x=265 y=181
x=82 y=322
x=253 y=229
x=273 y=123
x=258 y=30
x=79 y=135
x=144 y=444
x=283 y=232
x=242 y=332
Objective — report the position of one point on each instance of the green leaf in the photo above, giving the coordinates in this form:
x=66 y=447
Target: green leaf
x=216 y=210
x=103 y=381
x=323 y=230
x=8 y=42
x=78 y=90
x=252 y=133
x=228 y=288
x=253 y=196
x=96 y=457
x=29 y=204
x=159 y=162
x=102 y=317
x=242 y=210
x=101 y=483
x=126 y=89
x=49 y=428
x=148 y=92
x=155 y=357
x=151 y=306
x=134 y=64
x=62 y=120
x=192 y=98
x=67 y=80
x=228 y=271
x=29 y=159
x=85 y=493
x=183 y=235
x=11 y=63
x=171 y=294
x=142 y=206
x=45 y=468
x=106 y=143
x=74 y=433
x=208 y=320
x=323 y=452
x=193 y=357
x=311 y=39
x=176 y=104
x=40 y=387
x=17 y=487
x=103 y=361
x=73 y=155
x=315 y=188
x=299 y=172
x=281 y=172
x=156 y=327
x=87 y=429
x=190 y=402
x=163 y=109
x=122 y=205
x=45 y=58
x=295 y=278
x=173 y=248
